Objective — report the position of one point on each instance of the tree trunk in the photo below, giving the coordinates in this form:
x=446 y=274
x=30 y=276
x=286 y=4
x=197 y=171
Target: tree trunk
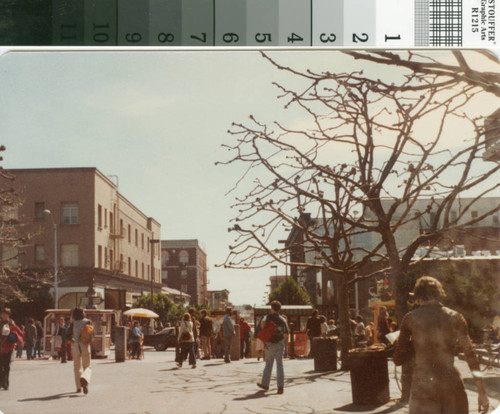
x=344 y=321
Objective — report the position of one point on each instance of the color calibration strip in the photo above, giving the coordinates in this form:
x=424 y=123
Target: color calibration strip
x=257 y=23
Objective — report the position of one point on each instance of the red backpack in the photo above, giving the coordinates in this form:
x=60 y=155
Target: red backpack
x=267 y=331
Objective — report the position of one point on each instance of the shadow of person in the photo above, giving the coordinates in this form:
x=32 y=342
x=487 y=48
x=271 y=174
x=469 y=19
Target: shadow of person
x=254 y=396
x=52 y=397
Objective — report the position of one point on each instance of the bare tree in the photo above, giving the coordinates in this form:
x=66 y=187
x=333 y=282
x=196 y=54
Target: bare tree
x=14 y=239
x=380 y=147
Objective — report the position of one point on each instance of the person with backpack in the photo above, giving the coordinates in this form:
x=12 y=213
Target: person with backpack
x=274 y=347
x=81 y=332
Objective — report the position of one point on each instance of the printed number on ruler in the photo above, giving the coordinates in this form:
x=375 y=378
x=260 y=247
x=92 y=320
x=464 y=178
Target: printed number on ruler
x=166 y=37
x=100 y=33
x=327 y=38
x=263 y=37
x=294 y=38
x=202 y=38
x=133 y=37
x=363 y=37
x=230 y=38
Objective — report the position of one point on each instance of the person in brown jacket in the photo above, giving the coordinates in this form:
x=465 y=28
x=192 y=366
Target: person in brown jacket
x=431 y=332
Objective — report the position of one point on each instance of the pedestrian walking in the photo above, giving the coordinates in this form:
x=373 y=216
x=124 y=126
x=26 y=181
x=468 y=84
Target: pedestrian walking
x=383 y=326
x=20 y=347
x=206 y=334
x=186 y=341
x=259 y=345
x=67 y=323
x=80 y=349
x=10 y=336
x=431 y=333
x=229 y=331
x=313 y=330
x=30 y=338
x=59 y=334
x=135 y=341
x=244 y=338
x=39 y=339
x=274 y=348
x=195 y=332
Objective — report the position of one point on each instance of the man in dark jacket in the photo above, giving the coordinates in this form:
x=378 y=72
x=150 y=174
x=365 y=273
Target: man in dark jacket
x=206 y=334
x=313 y=330
x=30 y=338
x=10 y=336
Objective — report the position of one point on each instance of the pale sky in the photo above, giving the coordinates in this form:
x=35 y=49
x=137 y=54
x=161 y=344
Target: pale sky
x=156 y=120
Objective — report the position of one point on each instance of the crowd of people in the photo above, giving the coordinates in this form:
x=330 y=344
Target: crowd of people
x=427 y=340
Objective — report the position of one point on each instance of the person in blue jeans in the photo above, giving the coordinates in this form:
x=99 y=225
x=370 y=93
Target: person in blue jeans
x=274 y=348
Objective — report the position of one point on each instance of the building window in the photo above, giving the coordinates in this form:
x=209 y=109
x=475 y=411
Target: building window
x=136 y=237
x=9 y=256
x=129 y=233
x=39 y=253
x=136 y=268
x=184 y=288
x=164 y=275
x=121 y=266
x=495 y=219
x=99 y=216
x=164 y=258
x=121 y=228
x=39 y=209
x=69 y=255
x=111 y=260
x=142 y=241
x=453 y=215
x=473 y=214
x=184 y=274
x=147 y=244
x=105 y=257
x=149 y=272
x=129 y=266
x=99 y=257
x=142 y=270
x=105 y=217
x=111 y=222
x=69 y=213
x=183 y=257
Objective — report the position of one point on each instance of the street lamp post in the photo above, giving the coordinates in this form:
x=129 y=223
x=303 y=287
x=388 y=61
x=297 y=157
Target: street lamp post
x=56 y=295
x=152 y=274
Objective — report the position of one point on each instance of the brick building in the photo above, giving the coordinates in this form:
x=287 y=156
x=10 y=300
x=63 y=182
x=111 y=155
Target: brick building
x=480 y=239
x=184 y=267
x=103 y=240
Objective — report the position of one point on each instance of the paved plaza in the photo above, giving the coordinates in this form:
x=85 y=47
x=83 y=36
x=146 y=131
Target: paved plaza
x=155 y=385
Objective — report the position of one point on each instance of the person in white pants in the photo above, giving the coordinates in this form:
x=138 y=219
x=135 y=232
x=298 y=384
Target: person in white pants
x=81 y=352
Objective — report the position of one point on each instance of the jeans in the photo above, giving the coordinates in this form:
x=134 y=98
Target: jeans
x=30 y=350
x=5 y=369
x=38 y=348
x=187 y=348
x=227 y=349
x=245 y=348
x=274 y=351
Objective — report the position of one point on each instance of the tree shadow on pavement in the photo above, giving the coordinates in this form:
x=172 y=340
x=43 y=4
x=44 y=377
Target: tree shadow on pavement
x=255 y=395
x=53 y=397
x=356 y=408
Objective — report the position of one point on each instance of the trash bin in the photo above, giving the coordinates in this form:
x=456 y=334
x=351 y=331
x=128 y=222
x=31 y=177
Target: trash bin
x=120 y=343
x=325 y=354
x=369 y=376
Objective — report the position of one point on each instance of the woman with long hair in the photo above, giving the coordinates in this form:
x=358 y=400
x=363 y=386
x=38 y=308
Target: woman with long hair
x=186 y=341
